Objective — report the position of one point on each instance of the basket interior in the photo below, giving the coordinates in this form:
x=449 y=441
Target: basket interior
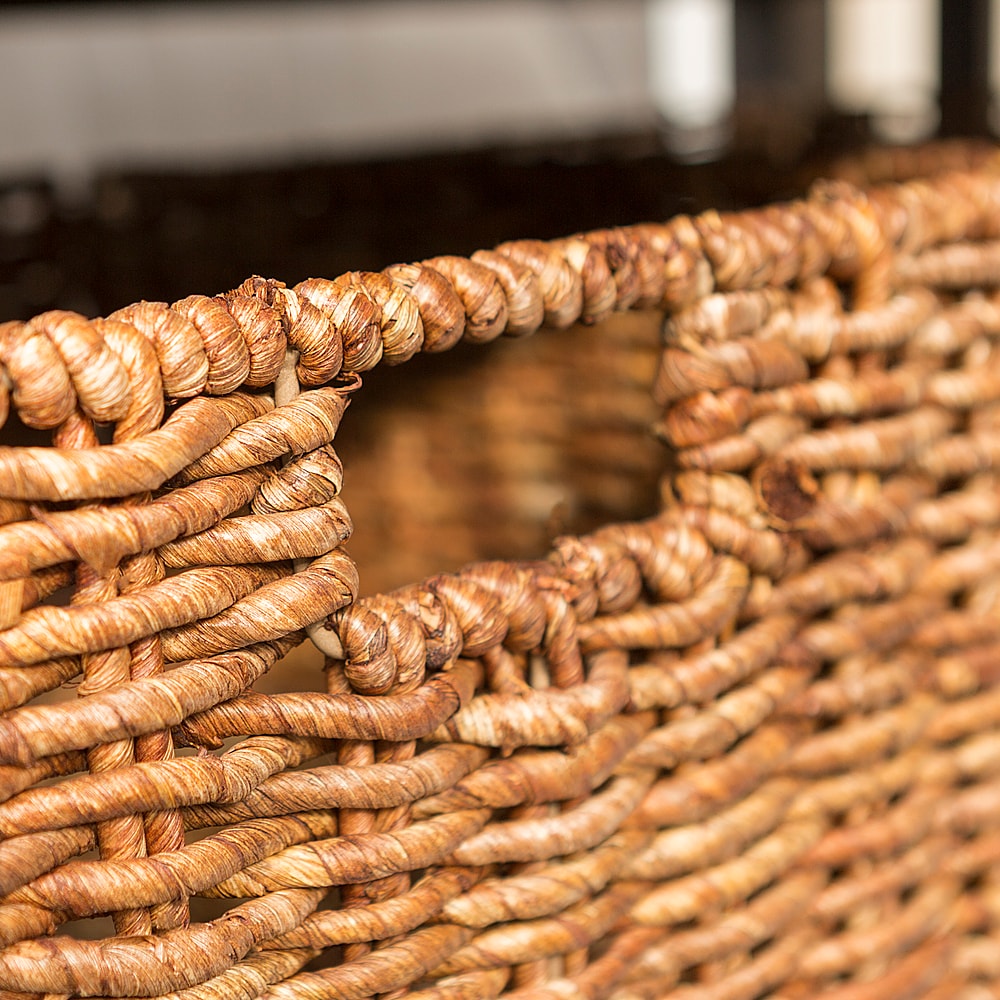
x=491 y=451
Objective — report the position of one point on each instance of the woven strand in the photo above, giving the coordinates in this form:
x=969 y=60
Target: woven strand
x=744 y=745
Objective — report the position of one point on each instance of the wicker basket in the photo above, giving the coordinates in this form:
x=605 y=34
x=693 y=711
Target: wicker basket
x=735 y=735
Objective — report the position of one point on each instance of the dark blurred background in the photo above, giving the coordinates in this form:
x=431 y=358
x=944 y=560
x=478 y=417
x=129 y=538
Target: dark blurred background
x=154 y=149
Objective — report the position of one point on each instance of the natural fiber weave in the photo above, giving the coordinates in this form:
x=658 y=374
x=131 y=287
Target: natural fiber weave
x=743 y=742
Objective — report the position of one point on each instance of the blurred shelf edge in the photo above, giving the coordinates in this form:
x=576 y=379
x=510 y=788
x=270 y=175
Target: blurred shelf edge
x=113 y=191
x=169 y=84
x=167 y=233
x=198 y=85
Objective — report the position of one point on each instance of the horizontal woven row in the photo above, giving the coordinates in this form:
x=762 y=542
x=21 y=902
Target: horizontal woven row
x=744 y=742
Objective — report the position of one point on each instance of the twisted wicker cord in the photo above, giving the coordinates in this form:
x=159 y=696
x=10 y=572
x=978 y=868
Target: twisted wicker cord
x=747 y=744
x=59 y=362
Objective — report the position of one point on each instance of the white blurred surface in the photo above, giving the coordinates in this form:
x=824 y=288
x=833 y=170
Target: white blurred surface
x=195 y=84
x=94 y=85
x=882 y=58
x=691 y=60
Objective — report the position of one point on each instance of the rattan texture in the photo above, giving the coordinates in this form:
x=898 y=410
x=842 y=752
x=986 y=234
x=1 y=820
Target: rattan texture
x=742 y=743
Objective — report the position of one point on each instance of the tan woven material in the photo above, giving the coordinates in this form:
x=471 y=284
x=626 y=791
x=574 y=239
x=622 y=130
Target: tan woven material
x=736 y=735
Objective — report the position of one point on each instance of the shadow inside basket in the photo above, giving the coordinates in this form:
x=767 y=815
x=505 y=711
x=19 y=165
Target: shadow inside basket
x=491 y=452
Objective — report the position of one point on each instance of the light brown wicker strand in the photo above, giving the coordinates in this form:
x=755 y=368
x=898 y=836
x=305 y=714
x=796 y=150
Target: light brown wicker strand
x=746 y=746
x=123 y=836
x=188 y=344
